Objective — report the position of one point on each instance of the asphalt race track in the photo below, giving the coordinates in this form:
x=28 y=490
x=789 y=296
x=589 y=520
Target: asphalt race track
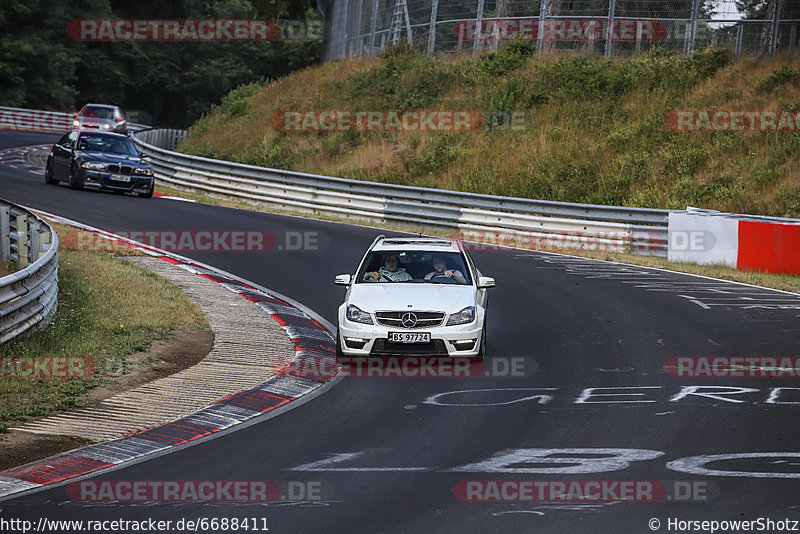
x=387 y=453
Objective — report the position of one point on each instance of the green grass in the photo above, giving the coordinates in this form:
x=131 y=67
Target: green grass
x=108 y=309
x=596 y=129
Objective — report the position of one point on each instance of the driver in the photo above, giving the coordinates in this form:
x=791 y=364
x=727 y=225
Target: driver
x=390 y=270
x=440 y=270
x=118 y=147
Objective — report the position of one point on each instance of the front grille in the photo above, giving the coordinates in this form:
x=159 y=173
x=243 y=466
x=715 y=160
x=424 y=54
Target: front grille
x=395 y=319
x=123 y=169
x=382 y=347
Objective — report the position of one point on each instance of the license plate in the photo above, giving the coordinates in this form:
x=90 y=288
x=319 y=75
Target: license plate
x=409 y=337
x=120 y=178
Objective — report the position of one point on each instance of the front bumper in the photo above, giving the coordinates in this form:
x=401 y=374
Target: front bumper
x=103 y=180
x=358 y=339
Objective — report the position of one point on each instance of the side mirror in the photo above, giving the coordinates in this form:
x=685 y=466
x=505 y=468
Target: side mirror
x=342 y=280
x=485 y=282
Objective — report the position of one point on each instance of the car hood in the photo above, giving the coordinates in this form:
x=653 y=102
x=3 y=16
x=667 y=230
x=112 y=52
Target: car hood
x=107 y=157
x=449 y=298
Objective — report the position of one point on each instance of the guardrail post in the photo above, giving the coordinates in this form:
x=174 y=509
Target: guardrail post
x=22 y=240
x=44 y=239
x=5 y=233
x=36 y=247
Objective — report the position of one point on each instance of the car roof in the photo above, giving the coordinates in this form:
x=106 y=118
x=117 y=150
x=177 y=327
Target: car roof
x=108 y=106
x=113 y=135
x=431 y=244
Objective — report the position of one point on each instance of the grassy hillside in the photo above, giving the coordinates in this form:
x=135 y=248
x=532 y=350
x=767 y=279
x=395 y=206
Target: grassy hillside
x=597 y=132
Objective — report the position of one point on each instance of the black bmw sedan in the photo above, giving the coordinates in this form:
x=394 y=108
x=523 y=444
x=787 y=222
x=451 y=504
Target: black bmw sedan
x=109 y=161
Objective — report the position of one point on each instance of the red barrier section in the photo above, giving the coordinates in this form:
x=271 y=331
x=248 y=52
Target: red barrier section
x=769 y=247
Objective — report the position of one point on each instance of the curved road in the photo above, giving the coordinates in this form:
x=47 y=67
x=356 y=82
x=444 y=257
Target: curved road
x=388 y=453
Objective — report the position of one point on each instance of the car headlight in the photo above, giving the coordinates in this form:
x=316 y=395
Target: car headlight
x=93 y=165
x=143 y=171
x=467 y=315
x=106 y=126
x=76 y=123
x=357 y=315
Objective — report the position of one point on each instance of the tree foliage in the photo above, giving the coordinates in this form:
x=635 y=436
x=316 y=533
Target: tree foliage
x=175 y=82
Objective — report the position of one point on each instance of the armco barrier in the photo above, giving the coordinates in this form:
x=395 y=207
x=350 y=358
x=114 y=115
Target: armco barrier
x=28 y=297
x=505 y=220
x=746 y=242
x=43 y=121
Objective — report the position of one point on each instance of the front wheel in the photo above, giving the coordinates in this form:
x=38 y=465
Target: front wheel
x=74 y=180
x=149 y=192
x=48 y=173
x=482 y=350
x=339 y=353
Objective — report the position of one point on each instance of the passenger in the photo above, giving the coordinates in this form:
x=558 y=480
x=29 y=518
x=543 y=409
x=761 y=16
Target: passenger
x=440 y=270
x=391 y=271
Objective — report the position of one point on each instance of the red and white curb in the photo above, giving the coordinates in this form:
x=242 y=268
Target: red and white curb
x=314 y=365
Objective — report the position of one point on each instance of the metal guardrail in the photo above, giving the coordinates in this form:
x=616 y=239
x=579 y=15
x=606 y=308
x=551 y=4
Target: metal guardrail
x=45 y=121
x=28 y=297
x=476 y=216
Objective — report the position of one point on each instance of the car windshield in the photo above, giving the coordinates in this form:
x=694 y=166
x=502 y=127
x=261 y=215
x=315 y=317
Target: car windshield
x=414 y=266
x=98 y=113
x=104 y=143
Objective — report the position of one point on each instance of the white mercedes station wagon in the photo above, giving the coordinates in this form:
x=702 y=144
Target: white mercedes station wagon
x=414 y=296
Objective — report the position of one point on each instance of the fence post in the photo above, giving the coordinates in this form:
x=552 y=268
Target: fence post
x=358 y=42
x=612 y=6
x=776 y=19
x=542 y=20
x=479 y=29
x=739 y=33
x=373 y=25
x=346 y=28
x=792 y=37
x=5 y=233
x=638 y=36
x=432 y=30
x=692 y=29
